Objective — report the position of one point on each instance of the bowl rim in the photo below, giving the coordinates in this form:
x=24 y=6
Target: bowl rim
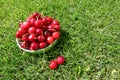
x=39 y=50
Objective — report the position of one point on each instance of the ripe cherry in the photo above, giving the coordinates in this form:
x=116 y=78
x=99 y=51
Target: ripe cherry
x=60 y=60
x=44 y=19
x=25 y=38
x=25 y=25
x=32 y=37
x=32 y=21
x=55 y=22
x=41 y=38
x=50 y=40
x=49 y=20
x=57 y=27
x=34 y=46
x=56 y=35
x=42 y=45
x=32 y=30
x=22 y=31
x=35 y=15
x=51 y=27
x=47 y=34
x=24 y=45
x=39 y=31
x=31 y=17
x=53 y=65
x=18 y=35
x=38 y=23
x=44 y=27
x=28 y=19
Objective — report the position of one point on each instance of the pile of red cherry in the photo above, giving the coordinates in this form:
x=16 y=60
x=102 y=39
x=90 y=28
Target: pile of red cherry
x=38 y=32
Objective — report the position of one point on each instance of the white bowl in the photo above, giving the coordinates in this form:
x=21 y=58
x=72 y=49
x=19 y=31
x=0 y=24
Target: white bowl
x=39 y=50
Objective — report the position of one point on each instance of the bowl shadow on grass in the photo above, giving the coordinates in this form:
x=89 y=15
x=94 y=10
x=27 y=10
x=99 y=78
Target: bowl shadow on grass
x=59 y=48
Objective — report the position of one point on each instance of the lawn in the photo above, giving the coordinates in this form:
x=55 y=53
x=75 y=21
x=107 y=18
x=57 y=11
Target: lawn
x=90 y=40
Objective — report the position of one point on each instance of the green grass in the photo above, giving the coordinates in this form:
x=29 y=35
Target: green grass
x=90 y=40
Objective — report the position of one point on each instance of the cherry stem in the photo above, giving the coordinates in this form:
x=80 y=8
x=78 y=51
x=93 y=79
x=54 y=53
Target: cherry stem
x=26 y=34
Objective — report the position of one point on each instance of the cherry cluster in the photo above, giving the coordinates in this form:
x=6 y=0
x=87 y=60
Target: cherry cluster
x=55 y=63
x=38 y=32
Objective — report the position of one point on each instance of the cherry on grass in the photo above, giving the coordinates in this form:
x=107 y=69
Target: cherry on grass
x=53 y=65
x=60 y=60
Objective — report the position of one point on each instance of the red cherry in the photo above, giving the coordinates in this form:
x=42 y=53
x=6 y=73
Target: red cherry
x=47 y=34
x=32 y=30
x=34 y=46
x=56 y=35
x=50 y=40
x=42 y=45
x=28 y=19
x=25 y=25
x=49 y=20
x=18 y=35
x=44 y=27
x=57 y=27
x=32 y=37
x=50 y=27
x=44 y=20
x=32 y=21
x=38 y=23
x=24 y=38
x=55 y=22
x=60 y=60
x=39 y=31
x=41 y=38
x=22 y=31
x=53 y=65
x=35 y=15
x=24 y=45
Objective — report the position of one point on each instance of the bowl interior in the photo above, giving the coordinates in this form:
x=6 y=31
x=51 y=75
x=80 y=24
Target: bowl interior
x=39 y=50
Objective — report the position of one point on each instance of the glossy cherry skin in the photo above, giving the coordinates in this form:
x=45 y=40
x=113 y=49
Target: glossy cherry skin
x=50 y=40
x=57 y=27
x=25 y=25
x=55 y=22
x=38 y=23
x=60 y=60
x=56 y=35
x=41 y=38
x=53 y=65
x=24 y=45
x=25 y=38
x=39 y=31
x=34 y=46
x=47 y=34
x=32 y=37
x=42 y=45
x=18 y=35
x=32 y=30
